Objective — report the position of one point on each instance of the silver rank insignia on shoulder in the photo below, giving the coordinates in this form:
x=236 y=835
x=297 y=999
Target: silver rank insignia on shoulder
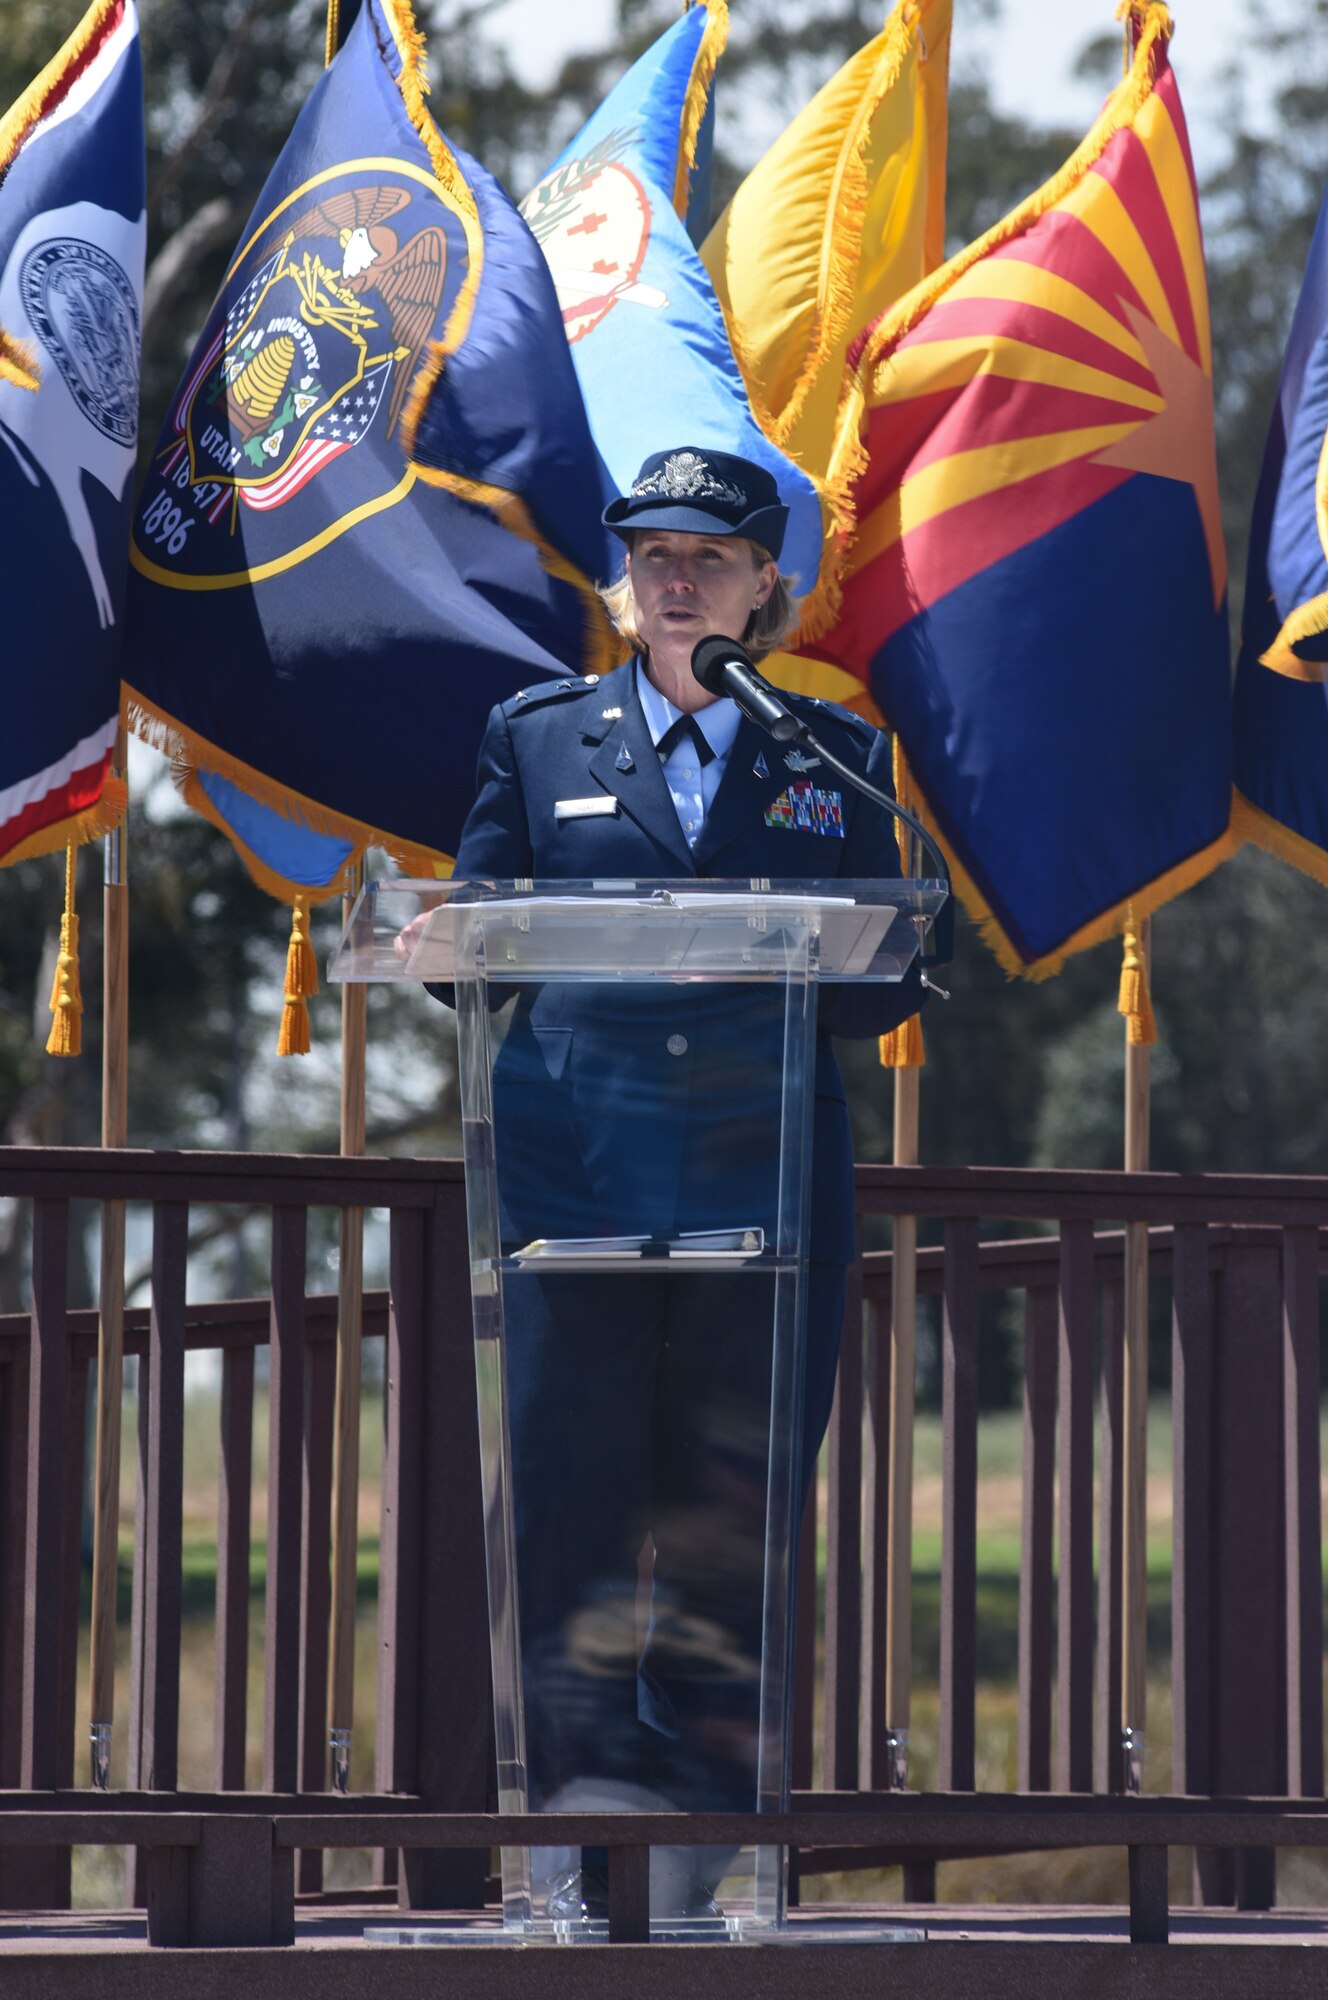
x=760 y=769
x=611 y=715
x=623 y=761
x=796 y=760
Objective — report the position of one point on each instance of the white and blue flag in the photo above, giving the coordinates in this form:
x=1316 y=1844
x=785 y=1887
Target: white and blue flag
x=72 y=233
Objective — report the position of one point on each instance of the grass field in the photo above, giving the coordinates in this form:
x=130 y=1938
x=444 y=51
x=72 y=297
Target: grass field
x=1084 y=1877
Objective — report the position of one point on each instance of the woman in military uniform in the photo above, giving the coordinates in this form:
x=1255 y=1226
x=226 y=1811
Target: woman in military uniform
x=639 y=1407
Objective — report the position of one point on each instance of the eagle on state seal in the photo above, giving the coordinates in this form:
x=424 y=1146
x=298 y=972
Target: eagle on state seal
x=323 y=338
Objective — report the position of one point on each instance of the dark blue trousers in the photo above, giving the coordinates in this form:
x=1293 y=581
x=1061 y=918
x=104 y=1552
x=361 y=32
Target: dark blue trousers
x=639 y=1415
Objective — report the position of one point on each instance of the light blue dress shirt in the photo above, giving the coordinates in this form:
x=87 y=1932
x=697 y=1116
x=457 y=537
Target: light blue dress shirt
x=691 y=788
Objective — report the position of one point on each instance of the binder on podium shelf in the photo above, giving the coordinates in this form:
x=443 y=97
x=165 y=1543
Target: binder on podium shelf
x=637 y=1132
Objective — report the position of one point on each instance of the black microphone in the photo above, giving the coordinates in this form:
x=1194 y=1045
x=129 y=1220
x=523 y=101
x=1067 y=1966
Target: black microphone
x=723 y=667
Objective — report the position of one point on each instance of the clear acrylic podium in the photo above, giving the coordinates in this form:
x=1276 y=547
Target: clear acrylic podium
x=637 y=1136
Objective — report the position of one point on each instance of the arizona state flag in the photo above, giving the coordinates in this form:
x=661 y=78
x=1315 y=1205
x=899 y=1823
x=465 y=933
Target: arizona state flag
x=372 y=507
x=72 y=232
x=645 y=328
x=1036 y=598
x=1281 y=704
x=843 y=215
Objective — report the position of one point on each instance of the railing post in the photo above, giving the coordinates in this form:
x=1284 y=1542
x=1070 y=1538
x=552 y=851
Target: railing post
x=234 y=1508
x=1036 y=1524
x=315 y=1587
x=959 y=1502
x=1191 y=1507
x=162 y=1582
x=14 y=1872
x=400 y=1578
x=1304 y=1534
x=873 y=1754
x=71 y=1540
x=455 y=1714
x=1074 y=1664
x=1108 y=1764
x=285 y=1501
x=136 y=1888
x=1248 y=1634
x=843 y=1552
x=47 y=1869
x=13 y=1519
x=804 y=1676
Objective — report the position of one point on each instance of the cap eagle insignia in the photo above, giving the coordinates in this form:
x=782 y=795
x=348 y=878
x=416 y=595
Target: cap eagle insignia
x=685 y=475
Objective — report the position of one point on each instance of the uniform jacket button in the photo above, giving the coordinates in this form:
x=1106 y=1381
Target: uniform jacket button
x=677 y=1045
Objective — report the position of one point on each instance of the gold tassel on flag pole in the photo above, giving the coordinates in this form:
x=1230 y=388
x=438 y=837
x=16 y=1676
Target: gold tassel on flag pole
x=903 y=1047
x=1135 y=1002
x=301 y=985
x=66 y=1036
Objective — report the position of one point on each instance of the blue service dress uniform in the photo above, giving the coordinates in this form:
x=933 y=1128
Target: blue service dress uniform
x=640 y=1407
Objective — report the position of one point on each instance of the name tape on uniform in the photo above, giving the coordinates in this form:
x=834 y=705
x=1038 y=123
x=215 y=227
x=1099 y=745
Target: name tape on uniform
x=602 y=806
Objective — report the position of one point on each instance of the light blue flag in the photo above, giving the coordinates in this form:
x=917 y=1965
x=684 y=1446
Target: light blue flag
x=647 y=333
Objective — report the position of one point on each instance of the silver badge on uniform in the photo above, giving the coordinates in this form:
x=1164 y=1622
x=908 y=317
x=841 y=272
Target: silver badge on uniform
x=796 y=760
x=760 y=769
x=623 y=760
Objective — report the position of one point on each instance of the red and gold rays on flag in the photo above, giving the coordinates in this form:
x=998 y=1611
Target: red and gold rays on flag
x=1038 y=370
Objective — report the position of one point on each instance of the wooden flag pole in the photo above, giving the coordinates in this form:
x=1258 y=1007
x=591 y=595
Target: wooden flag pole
x=1134 y=1458
x=346 y=1418
x=899 y=1524
x=111 y=1294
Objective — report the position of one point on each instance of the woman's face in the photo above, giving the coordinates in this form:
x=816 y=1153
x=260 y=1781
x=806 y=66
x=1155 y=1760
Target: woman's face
x=688 y=587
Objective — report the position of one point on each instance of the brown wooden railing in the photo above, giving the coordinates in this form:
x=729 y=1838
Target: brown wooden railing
x=1242 y=1257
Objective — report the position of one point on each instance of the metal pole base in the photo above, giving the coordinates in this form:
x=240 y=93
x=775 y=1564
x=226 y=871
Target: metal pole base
x=896 y=1760
x=340 y=1742
x=99 y=1736
x=1132 y=1760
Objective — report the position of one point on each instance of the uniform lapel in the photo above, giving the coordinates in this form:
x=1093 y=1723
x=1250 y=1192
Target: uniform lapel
x=641 y=789
x=743 y=793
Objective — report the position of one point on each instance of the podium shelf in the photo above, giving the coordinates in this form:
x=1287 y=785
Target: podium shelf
x=414 y=931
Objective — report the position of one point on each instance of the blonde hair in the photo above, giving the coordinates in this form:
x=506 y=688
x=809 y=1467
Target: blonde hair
x=766 y=630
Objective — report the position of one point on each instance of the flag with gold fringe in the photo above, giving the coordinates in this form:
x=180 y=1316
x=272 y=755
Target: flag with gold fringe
x=843 y=215
x=644 y=325
x=1036 y=594
x=1281 y=701
x=373 y=509
x=72 y=233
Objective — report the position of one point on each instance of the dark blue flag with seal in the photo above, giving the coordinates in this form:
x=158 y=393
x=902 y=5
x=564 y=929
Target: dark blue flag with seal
x=72 y=231
x=362 y=526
